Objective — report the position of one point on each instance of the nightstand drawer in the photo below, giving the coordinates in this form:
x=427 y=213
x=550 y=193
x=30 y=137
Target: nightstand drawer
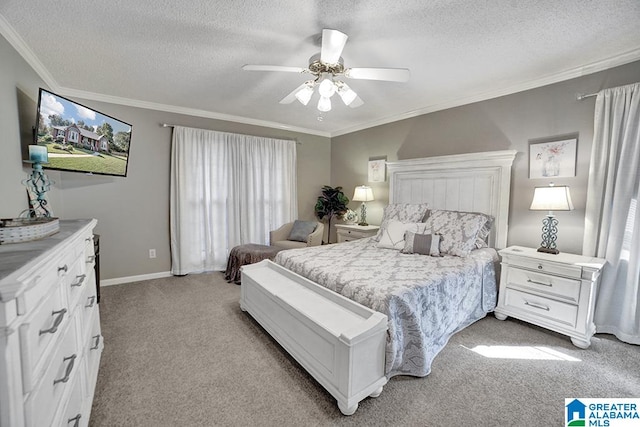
x=544 y=266
x=540 y=307
x=354 y=234
x=545 y=284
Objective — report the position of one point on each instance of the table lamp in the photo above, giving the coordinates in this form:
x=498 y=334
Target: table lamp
x=363 y=194
x=551 y=198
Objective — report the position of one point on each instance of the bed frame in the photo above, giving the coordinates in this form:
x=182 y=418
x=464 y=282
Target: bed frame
x=348 y=361
x=474 y=182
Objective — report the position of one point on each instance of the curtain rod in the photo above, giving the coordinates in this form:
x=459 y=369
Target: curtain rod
x=588 y=95
x=166 y=125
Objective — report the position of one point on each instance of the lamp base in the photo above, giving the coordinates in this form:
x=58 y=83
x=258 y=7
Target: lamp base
x=363 y=223
x=552 y=251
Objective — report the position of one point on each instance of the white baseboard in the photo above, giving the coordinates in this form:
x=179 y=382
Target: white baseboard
x=130 y=279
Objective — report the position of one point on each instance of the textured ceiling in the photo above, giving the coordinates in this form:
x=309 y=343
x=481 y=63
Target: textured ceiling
x=186 y=55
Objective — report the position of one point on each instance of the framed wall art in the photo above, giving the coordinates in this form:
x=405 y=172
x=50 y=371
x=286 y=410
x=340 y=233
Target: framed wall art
x=377 y=170
x=553 y=158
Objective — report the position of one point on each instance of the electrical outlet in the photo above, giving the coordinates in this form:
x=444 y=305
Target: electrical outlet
x=152 y=253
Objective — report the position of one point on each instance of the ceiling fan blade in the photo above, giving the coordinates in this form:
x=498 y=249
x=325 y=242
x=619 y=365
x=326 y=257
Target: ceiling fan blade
x=356 y=102
x=249 y=67
x=387 y=74
x=333 y=42
x=292 y=96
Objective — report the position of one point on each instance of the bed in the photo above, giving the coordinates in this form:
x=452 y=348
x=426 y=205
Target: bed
x=426 y=299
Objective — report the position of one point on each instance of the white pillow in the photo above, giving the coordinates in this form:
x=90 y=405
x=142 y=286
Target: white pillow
x=404 y=212
x=392 y=236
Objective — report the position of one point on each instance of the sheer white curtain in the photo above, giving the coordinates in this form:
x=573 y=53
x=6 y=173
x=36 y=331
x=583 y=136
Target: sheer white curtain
x=226 y=190
x=612 y=224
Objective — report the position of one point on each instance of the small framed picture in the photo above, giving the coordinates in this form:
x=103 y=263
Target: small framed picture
x=377 y=170
x=553 y=158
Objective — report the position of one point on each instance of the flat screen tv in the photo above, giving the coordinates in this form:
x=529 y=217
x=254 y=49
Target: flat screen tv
x=79 y=138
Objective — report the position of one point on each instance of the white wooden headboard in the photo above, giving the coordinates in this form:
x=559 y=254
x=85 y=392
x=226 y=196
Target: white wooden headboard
x=474 y=182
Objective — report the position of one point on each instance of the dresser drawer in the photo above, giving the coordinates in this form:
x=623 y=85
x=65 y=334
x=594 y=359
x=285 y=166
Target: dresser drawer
x=93 y=346
x=59 y=375
x=40 y=333
x=540 y=307
x=75 y=282
x=544 y=266
x=71 y=415
x=557 y=287
x=88 y=305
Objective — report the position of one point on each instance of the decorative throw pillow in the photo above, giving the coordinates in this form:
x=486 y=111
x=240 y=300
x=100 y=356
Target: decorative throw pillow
x=423 y=244
x=301 y=230
x=393 y=234
x=483 y=234
x=403 y=212
x=459 y=230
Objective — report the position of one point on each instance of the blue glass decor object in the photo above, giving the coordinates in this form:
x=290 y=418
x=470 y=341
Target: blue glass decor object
x=38 y=182
x=38 y=154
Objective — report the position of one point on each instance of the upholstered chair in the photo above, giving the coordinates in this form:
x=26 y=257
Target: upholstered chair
x=296 y=235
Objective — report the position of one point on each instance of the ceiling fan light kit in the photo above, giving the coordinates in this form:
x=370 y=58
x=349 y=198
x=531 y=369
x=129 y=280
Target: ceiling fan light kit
x=325 y=66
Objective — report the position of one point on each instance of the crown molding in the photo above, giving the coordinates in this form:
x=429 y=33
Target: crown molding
x=584 y=70
x=194 y=112
x=27 y=54
x=30 y=57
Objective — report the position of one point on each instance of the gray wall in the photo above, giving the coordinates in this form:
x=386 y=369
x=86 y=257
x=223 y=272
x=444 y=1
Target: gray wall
x=132 y=212
x=508 y=122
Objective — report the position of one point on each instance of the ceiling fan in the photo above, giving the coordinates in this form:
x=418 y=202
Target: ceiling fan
x=327 y=68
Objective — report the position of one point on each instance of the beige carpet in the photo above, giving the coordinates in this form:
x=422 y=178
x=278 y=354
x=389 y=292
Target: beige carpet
x=180 y=352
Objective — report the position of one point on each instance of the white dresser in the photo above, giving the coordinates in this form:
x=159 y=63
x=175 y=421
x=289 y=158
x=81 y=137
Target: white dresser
x=349 y=232
x=50 y=340
x=556 y=292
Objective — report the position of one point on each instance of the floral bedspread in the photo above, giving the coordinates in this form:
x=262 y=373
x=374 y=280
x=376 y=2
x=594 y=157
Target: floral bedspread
x=426 y=299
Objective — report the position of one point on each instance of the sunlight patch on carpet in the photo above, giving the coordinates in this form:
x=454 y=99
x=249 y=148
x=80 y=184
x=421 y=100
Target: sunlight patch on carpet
x=521 y=352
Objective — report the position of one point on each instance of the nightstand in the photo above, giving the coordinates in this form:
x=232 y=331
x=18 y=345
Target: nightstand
x=556 y=292
x=347 y=232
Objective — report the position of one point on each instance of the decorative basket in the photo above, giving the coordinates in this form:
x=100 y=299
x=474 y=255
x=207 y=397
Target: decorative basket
x=18 y=230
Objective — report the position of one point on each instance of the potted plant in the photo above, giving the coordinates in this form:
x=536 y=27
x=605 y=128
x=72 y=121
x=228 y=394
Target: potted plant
x=331 y=202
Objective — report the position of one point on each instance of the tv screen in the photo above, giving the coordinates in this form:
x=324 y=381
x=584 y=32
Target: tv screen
x=79 y=138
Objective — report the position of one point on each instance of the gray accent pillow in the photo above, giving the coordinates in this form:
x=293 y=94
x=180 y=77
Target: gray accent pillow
x=301 y=230
x=422 y=244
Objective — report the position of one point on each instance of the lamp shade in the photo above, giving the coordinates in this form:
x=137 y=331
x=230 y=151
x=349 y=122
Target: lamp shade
x=363 y=193
x=551 y=198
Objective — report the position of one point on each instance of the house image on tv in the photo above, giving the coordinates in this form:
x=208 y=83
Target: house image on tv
x=81 y=137
x=575 y=411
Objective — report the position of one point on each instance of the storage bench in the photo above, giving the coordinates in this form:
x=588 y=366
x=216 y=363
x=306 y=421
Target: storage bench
x=339 y=342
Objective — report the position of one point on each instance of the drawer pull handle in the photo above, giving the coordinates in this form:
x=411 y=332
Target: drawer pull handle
x=67 y=373
x=540 y=267
x=534 y=305
x=76 y=420
x=91 y=258
x=92 y=301
x=80 y=280
x=59 y=316
x=539 y=283
x=64 y=268
x=97 y=344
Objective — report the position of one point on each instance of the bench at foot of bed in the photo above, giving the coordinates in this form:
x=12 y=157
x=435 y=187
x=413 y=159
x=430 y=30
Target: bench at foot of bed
x=338 y=341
